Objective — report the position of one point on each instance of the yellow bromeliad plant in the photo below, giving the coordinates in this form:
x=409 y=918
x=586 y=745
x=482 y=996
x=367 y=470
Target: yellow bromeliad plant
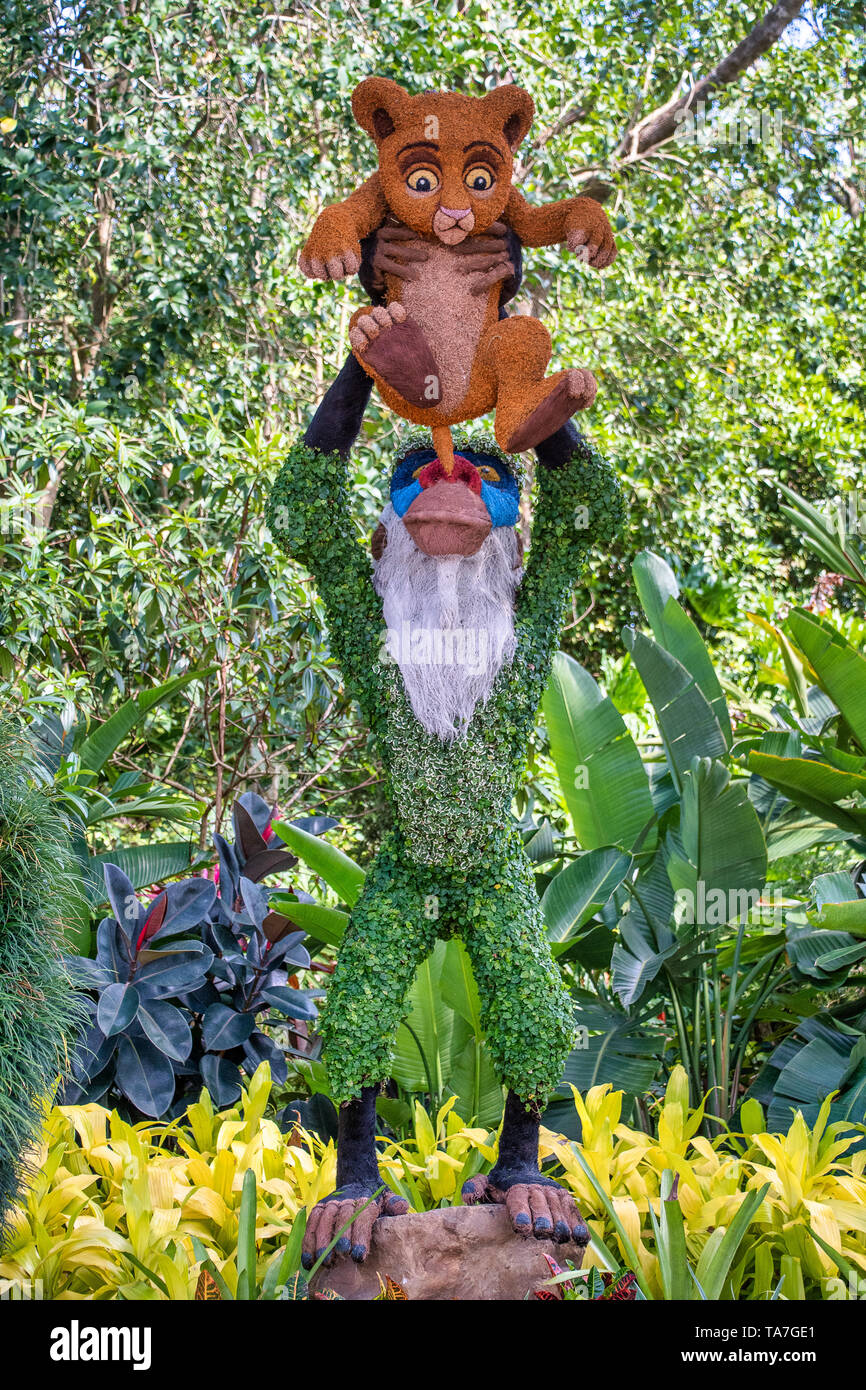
x=812 y=1189
x=130 y=1211
x=112 y=1203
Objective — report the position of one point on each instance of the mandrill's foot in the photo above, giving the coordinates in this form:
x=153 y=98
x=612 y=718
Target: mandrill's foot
x=394 y=348
x=537 y=1206
x=575 y=390
x=348 y=1203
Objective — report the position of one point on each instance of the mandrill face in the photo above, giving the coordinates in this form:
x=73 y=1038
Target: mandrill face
x=447 y=567
x=452 y=514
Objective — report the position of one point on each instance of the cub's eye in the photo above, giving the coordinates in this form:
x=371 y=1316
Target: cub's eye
x=489 y=474
x=478 y=179
x=419 y=471
x=423 y=180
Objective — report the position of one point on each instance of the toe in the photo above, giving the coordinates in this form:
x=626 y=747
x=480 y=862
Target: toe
x=395 y=1206
x=381 y=316
x=473 y=1191
x=362 y=1232
x=517 y=1204
x=398 y=313
x=368 y=325
x=539 y=1206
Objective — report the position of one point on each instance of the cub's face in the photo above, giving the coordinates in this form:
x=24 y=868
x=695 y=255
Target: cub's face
x=445 y=160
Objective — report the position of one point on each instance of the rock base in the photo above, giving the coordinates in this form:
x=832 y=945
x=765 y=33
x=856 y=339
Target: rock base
x=454 y=1253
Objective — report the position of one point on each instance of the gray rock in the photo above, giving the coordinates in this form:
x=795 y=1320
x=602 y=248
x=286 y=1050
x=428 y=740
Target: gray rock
x=453 y=1253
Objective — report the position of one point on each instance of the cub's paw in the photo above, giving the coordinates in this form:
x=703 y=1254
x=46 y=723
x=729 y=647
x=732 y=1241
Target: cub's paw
x=336 y=267
x=537 y=1206
x=333 y=250
x=393 y=346
x=590 y=235
x=582 y=387
x=368 y=327
x=350 y=1204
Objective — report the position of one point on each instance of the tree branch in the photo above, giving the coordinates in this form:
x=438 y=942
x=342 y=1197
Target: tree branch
x=662 y=123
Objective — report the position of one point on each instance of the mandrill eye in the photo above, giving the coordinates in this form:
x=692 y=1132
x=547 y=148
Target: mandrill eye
x=478 y=179
x=489 y=474
x=423 y=180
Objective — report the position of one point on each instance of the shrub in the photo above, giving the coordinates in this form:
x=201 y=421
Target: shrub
x=179 y=986
x=38 y=1008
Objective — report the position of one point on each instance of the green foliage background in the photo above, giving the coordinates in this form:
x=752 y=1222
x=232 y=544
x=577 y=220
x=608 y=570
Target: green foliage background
x=161 y=166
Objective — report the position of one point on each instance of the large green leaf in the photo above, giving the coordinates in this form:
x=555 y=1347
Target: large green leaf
x=814 y=785
x=582 y=888
x=598 y=764
x=674 y=630
x=326 y=924
x=339 y=871
x=142 y=864
x=686 y=720
x=617 y=1049
x=473 y=1079
x=423 y=1047
x=841 y=670
x=95 y=751
x=720 y=844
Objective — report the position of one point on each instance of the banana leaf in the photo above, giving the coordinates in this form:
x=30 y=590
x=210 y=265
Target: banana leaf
x=599 y=767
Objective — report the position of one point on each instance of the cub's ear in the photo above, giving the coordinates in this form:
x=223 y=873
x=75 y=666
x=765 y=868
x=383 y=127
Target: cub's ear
x=375 y=103
x=512 y=110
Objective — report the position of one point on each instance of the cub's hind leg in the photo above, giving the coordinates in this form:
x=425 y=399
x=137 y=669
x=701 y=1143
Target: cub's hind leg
x=392 y=349
x=529 y=405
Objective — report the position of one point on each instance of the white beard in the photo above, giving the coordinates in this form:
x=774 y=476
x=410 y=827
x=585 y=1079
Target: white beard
x=450 y=622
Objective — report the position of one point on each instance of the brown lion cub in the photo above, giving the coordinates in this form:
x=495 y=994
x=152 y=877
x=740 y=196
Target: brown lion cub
x=438 y=353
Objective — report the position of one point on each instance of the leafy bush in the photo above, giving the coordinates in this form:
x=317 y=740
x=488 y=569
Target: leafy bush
x=114 y=1207
x=38 y=1009
x=180 y=984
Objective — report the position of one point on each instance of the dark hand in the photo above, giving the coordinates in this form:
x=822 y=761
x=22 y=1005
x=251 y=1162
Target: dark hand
x=400 y=252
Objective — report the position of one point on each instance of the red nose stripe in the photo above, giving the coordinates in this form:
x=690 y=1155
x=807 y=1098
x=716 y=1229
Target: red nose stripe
x=464 y=472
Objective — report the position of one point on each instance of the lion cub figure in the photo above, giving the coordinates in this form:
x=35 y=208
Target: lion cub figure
x=439 y=352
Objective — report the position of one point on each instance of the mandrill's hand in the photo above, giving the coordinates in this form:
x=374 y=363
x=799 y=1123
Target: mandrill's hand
x=537 y=1206
x=349 y=1203
x=589 y=234
x=484 y=258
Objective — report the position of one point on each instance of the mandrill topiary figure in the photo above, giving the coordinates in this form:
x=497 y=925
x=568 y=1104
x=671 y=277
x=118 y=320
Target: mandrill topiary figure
x=446 y=643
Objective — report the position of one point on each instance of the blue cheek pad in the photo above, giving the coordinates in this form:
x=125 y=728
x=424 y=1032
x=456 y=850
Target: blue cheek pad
x=501 y=502
x=405 y=488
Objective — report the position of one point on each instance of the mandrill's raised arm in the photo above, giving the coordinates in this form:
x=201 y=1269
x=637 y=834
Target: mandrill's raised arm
x=579 y=505
x=309 y=516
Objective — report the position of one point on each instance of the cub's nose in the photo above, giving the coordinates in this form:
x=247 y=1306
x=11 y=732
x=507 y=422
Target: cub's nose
x=456 y=214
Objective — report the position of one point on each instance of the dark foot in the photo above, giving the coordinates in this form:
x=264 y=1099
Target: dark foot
x=574 y=391
x=537 y=1206
x=395 y=348
x=332 y=1213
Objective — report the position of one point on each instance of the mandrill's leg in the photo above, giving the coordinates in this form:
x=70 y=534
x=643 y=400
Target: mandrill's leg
x=387 y=938
x=357 y=1181
x=529 y=405
x=537 y=1205
x=528 y=1018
